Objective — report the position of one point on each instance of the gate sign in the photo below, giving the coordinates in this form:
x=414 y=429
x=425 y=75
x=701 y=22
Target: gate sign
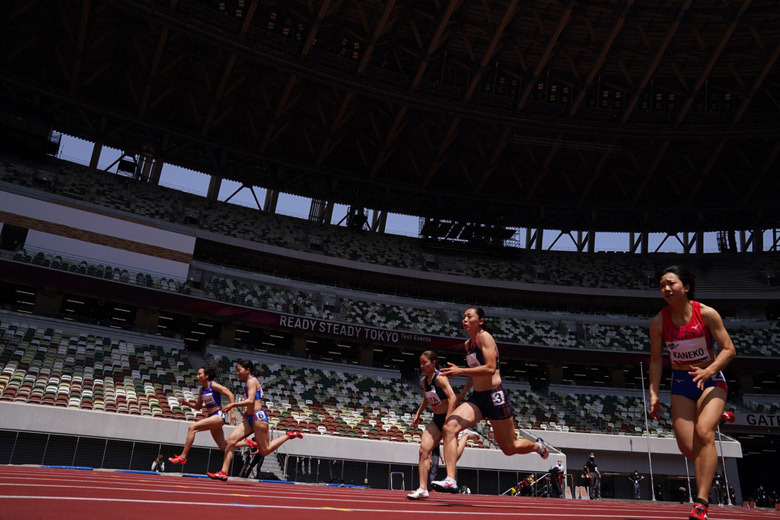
x=758 y=419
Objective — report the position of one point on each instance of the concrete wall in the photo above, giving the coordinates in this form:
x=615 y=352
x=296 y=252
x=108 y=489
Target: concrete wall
x=615 y=453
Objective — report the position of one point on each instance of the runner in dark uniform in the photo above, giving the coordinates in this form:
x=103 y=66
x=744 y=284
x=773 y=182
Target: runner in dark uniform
x=440 y=397
x=489 y=400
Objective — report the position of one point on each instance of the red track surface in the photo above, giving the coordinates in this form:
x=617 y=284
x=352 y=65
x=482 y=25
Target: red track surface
x=47 y=493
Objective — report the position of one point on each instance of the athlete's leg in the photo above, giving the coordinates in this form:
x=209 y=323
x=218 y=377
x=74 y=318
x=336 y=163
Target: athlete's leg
x=241 y=431
x=504 y=432
x=262 y=436
x=710 y=407
x=684 y=414
x=462 y=440
x=463 y=417
x=431 y=437
x=208 y=423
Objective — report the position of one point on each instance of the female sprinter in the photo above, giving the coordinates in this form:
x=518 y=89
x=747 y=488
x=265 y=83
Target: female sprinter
x=255 y=420
x=687 y=328
x=214 y=415
x=441 y=398
x=489 y=400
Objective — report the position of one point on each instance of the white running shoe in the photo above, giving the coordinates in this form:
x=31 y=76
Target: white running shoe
x=544 y=451
x=447 y=485
x=472 y=436
x=417 y=495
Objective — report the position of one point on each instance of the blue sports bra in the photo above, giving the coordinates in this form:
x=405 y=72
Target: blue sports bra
x=258 y=394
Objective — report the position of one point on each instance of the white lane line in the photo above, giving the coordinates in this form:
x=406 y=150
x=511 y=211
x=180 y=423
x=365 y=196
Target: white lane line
x=557 y=514
x=433 y=502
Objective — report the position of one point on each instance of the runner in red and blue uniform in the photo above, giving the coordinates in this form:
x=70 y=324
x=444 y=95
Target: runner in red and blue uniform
x=699 y=390
x=210 y=404
x=255 y=420
x=489 y=400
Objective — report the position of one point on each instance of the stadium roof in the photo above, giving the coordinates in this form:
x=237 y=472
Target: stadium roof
x=598 y=115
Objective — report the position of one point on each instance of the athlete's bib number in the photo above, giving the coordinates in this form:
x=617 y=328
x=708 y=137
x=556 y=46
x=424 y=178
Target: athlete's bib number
x=498 y=398
x=471 y=360
x=432 y=397
x=208 y=399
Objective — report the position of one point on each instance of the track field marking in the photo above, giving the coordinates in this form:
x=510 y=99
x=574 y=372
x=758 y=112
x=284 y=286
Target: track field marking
x=608 y=514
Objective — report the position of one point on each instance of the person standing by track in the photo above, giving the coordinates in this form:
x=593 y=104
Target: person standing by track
x=688 y=329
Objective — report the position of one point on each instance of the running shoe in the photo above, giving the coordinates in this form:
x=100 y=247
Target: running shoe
x=294 y=435
x=699 y=511
x=727 y=417
x=252 y=444
x=177 y=459
x=472 y=436
x=544 y=451
x=220 y=475
x=417 y=495
x=448 y=485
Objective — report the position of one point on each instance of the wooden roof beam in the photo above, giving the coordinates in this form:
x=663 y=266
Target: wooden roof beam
x=712 y=159
x=340 y=119
x=435 y=42
x=271 y=133
x=757 y=84
x=656 y=59
x=547 y=55
x=82 y=36
x=651 y=171
x=490 y=53
x=602 y=57
x=713 y=59
x=388 y=147
x=543 y=61
x=762 y=172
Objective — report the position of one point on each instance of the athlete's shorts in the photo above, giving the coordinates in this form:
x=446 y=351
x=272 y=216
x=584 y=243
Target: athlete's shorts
x=494 y=403
x=438 y=420
x=222 y=415
x=682 y=384
x=260 y=415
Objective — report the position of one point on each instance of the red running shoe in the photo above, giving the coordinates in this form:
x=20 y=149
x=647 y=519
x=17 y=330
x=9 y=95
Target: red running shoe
x=699 y=511
x=220 y=475
x=177 y=459
x=727 y=417
x=294 y=435
x=252 y=444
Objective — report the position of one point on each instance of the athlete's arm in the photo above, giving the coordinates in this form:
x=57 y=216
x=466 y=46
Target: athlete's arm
x=488 y=368
x=656 y=363
x=252 y=386
x=423 y=406
x=227 y=393
x=197 y=405
x=444 y=384
x=714 y=323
